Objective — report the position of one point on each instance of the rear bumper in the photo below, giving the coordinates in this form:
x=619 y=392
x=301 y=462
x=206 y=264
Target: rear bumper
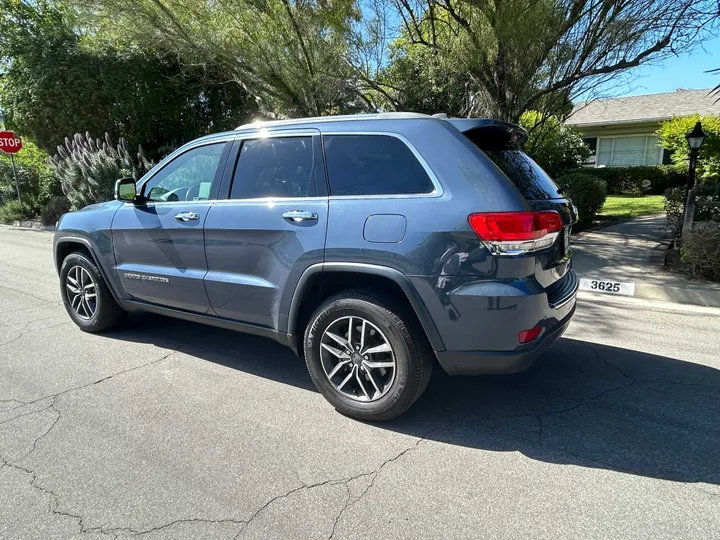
x=501 y=362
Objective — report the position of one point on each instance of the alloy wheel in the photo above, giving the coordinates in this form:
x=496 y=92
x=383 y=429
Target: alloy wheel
x=357 y=359
x=82 y=292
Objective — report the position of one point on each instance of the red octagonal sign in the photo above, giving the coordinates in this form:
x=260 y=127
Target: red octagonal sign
x=9 y=143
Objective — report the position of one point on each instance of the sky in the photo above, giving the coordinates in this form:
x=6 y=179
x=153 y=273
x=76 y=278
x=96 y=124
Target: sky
x=684 y=71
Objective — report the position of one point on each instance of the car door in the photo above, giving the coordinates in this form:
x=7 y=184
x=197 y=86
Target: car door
x=158 y=242
x=270 y=228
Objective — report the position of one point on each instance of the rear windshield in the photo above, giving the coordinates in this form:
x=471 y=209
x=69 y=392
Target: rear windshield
x=528 y=176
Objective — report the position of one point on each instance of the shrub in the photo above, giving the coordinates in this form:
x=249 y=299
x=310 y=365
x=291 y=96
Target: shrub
x=35 y=175
x=672 y=137
x=700 y=251
x=14 y=211
x=53 y=209
x=629 y=180
x=88 y=168
x=587 y=193
x=556 y=147
x=675 y=205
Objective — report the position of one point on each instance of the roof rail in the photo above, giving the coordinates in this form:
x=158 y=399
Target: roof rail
x=372 y=116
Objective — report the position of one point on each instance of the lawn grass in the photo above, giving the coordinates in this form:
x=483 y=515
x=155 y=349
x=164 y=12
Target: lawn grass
x=624 y=206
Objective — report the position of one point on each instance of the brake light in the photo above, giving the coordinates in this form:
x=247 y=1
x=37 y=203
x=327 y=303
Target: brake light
x=514 y=233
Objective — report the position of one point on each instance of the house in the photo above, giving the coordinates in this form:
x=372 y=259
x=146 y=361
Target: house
x=621 y=131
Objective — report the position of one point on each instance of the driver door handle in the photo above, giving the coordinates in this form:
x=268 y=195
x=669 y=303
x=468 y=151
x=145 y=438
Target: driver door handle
x=187 y=216
x=299 y=215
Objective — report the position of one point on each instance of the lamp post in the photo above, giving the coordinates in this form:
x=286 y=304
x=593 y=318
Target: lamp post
x=695 y=140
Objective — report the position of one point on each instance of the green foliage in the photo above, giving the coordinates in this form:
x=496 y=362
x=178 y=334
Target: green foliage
x=15 y=211
x=500 y=59
x=88 y=168
x=53 y=209
x=672 y=137
x=57 y=80
x=675 y=206
x=290 y=56
x=629 y=180
x=35 y=175
x=700 y=251
x=557 y=148
x=587 y=193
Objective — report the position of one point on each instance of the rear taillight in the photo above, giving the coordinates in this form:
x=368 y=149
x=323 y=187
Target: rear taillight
x=515 y=233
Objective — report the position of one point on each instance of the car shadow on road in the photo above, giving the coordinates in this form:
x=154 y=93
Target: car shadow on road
x=582 y=403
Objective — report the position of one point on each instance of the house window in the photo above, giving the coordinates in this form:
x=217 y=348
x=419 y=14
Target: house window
x=628 y=151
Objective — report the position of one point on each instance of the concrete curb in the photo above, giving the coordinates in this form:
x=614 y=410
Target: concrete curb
x=695 y=296
x=32 y=224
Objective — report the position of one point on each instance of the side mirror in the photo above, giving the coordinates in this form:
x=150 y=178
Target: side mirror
x=125 y=190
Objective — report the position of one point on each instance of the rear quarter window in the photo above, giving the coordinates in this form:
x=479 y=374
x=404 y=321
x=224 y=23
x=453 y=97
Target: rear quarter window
x=373 y=165
x=530 y=179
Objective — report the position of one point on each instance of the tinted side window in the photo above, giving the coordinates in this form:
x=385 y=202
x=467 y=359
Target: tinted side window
x=275 y=167
x=528 y=176
x=373 y=165
x=188 y=177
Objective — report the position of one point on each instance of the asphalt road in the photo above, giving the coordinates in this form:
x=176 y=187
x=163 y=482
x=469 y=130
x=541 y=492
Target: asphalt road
x=166 y=429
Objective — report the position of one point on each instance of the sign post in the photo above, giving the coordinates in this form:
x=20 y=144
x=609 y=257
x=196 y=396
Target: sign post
x=10 y=144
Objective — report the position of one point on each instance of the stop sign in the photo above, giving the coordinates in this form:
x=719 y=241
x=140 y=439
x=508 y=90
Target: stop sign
x=9 y=143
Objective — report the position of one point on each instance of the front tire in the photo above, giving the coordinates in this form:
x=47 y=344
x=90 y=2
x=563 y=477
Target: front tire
x=86 y=296
x=368 y=357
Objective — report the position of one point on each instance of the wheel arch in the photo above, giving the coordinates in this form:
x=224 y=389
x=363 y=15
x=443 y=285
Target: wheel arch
x=299 y=310
x=65 y=245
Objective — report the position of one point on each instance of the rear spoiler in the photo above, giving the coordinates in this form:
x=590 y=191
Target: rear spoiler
x=487 y=133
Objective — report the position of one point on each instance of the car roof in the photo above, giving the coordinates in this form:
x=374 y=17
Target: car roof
x=370 y=123
x=325 y=119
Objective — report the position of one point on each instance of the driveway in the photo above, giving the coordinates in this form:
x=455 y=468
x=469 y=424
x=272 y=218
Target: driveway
x=167 y=429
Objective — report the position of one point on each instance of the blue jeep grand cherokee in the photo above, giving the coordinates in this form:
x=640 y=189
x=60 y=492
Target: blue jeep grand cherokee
x=372 y=245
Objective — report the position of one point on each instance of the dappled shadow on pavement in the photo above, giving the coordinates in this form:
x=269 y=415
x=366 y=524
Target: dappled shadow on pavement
x=582 y=403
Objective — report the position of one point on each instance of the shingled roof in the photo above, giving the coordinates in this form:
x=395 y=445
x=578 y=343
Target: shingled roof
x=644 y=108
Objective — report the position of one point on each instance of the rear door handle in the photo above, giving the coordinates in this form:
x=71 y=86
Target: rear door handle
x=187 y=216
x=299 y=215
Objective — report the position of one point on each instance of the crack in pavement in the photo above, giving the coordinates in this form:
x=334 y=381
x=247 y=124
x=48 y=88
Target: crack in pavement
x=24 y=331
x=55 y=499
x=350 y=500
x=74 y=389
x=43 y=300
x=335 y=482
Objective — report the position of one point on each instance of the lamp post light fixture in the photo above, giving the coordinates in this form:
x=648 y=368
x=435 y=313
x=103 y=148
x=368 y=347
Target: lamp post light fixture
x=695 y=140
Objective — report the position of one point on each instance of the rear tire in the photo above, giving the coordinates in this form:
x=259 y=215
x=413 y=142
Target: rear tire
x=86 y=296
x=354 y=374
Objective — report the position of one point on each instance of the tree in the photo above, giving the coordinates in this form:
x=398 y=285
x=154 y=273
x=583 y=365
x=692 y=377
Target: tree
x=289 y=55
x=58 y=81
x=672 y=137
x=556 y=147
x=517 y=55
x=35 y=176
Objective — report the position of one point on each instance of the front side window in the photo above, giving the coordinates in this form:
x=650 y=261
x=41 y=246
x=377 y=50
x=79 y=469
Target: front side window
x=188 y=177
x=373 y=165
x=275 y=167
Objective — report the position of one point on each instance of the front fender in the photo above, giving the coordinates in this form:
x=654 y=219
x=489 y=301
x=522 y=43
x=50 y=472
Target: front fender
x=91 y=229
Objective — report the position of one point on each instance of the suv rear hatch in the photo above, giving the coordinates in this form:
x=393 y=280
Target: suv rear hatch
x=500 y=141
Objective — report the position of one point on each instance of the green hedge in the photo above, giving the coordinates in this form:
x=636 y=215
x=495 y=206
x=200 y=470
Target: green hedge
x=587 y=193
x=629 y=180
